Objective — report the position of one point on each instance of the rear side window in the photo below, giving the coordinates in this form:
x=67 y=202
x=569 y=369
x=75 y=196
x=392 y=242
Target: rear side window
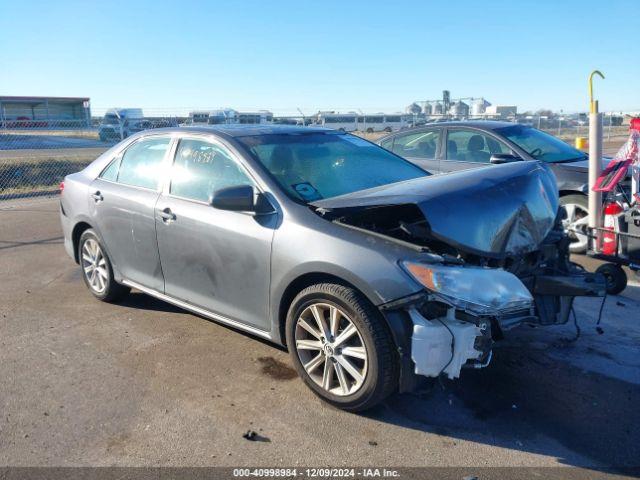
x=141 y=162
x=200 y=168
x=417 y=145
x=388 y=143
x=111 y=172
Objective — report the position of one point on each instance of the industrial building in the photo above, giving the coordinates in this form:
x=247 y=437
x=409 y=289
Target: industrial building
x=45 y=112
x=461 y=108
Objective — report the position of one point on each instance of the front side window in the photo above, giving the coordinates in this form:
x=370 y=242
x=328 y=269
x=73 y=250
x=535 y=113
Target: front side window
x=200 y=168
x=473 y=146
x=311 y=166
x=417 y=145
x=540 y=145
x=141 y=163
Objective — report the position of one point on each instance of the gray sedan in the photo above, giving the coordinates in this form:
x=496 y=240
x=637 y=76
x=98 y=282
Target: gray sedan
x=454 y=146
x=352 y=257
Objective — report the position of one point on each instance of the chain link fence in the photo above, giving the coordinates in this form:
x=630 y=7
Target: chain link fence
x=36 y=155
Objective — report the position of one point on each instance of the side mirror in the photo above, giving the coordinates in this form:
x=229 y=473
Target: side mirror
x=499 y=158
x=237 y=199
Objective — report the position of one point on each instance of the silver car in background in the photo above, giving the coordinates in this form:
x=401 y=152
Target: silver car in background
x=355 y=259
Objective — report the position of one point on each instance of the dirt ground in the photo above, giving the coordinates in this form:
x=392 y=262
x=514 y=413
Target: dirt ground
x=141 y=383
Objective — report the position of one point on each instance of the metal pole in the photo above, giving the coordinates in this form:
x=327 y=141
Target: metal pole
x=595 y=164
x=595 y=169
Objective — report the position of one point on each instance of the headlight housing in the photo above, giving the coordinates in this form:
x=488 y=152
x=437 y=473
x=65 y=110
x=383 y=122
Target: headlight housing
x=483 y=291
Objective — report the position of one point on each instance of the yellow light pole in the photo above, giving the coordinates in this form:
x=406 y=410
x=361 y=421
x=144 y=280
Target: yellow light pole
x=593 y=104
x=595 y=160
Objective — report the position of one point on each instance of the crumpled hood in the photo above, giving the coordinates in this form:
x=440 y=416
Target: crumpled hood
x=496 y=211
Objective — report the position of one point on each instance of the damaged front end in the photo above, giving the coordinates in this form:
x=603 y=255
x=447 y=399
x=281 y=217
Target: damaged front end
x=494 y=256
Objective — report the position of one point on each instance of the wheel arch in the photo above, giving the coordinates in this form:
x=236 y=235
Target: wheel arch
x=567 y=192
x=78 y=229
x=301 y=282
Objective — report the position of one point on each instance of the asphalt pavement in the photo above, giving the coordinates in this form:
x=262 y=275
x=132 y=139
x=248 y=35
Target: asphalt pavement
x=141 y=383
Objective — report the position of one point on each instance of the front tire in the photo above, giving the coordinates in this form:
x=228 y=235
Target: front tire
x=97 y=272
x=577 y=221
x=341 y=347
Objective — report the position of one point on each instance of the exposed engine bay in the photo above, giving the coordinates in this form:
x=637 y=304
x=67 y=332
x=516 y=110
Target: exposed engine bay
x=495 y=256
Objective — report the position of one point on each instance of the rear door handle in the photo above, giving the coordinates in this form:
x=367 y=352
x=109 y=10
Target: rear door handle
x=167 y=215
x=97 y=196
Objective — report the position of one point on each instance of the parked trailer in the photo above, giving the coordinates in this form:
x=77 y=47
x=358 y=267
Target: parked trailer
x=350 y=122
x=344 y=122
x=383 y=123
x=229 y=116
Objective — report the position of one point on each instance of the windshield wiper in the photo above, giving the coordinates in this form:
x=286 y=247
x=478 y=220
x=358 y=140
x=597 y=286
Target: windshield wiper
x=583 y=157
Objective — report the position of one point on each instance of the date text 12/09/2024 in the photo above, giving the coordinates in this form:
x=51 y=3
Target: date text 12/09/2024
x=316 y=472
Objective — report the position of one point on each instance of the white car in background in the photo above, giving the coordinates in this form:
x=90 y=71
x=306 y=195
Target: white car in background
x=120 y=123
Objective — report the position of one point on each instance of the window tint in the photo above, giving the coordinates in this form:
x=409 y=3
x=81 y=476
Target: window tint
x=540 y=145
x=417 y=145
x=313 y=165
x=200 y=168
x=472 y=146
x=140 y=165
x=388 y=143
x=111 y=172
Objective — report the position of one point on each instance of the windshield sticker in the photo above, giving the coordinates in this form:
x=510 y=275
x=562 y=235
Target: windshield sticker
x=357 y=141
x=307 y=191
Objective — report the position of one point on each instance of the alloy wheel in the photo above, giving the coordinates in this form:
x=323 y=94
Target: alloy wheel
x=331 y=349
x=94 y=266
x=576 y=226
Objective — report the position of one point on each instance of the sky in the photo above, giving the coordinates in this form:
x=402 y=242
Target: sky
x=342 y=55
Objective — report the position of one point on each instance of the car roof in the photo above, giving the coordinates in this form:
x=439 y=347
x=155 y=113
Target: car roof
x=241 y=130
x=484 y=124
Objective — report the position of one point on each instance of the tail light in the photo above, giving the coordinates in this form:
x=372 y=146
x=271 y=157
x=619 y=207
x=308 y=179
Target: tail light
x=61 y=187
x=611 y=212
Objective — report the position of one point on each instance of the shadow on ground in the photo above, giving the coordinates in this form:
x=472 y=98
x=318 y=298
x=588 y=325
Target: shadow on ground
x=5 y=245
x=523 y=395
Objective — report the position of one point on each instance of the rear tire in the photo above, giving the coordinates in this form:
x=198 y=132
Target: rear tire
x=354 y=370
x=615 y=276
x=97 y=272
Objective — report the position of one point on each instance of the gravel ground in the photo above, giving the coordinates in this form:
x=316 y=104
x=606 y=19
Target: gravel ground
x=141 y=383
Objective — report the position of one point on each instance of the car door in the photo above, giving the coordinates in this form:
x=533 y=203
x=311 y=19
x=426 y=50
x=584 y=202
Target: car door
x=214 y=259
x=421 y=148
x=469 y=148
x=121 y=203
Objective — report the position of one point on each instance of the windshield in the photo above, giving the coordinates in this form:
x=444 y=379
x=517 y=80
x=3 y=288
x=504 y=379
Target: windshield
x=110 y=119
x=312 y=166
x=540 y=145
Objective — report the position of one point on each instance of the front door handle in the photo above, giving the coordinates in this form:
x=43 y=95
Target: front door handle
x=167 y=215
x=97 y=196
